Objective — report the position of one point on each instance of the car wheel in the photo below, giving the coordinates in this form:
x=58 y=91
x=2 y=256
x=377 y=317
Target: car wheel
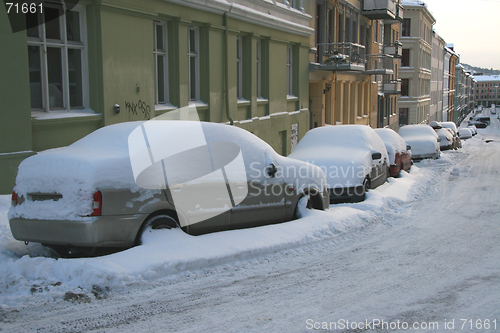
x=158 y=221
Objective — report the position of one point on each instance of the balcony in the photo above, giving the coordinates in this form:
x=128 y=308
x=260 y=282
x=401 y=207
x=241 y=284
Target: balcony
x=395 y=49
x=392 y=87
x=340 y=57
x=388 y=10
x=379 y=64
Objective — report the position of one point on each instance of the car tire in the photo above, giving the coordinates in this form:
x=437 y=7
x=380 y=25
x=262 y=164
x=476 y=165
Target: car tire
x=163 y=220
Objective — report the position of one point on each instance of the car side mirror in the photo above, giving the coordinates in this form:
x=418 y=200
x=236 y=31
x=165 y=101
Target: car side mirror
x=271 y=170
x=376 y=156
x=408 y=147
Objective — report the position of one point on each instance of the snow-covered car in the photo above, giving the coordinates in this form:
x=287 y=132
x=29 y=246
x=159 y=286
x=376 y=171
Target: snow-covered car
x=473 y=129
x=446 y=138
x=397 y=149
x=465 y=133
x=456 y=138
x=480 y=121
x=435 y=124
x=109 y=187
x=353 y=157
x=423 y=140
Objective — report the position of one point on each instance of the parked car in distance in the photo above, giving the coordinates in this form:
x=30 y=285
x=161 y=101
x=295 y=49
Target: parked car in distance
x=397 y=149
x=109 y=187
x=435 y=125
x=465 y=133
x=423 y=140
x=353 y=157
x=480 y=121
x=453 y=127
x=446 y=138
x=473 y=129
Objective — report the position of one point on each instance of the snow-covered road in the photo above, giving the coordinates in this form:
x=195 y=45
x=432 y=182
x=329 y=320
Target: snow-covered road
x=421 y=254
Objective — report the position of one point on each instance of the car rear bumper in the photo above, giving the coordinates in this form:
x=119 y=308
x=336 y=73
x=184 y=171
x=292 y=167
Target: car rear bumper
x=99 y=231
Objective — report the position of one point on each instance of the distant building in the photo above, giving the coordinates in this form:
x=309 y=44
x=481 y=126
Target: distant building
x=415 y=73
x=487 y=90
x=437 y=78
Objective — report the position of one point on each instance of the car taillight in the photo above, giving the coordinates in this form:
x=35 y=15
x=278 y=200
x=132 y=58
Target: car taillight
x=97 y=204
x=15 y=199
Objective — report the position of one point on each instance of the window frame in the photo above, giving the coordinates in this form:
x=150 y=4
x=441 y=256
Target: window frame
x=239 y=67
x=289 y=71
x=164 y=54
x=64 y=45
x=259 y=67
x=405 y=84
x=406 y=27
x=405 y=58
x=196 y=56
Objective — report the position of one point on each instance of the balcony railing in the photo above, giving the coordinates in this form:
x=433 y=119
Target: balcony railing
x=392 y=87
x=395 y=49
x=341 y=57
x=379 y=64
x=383 y=10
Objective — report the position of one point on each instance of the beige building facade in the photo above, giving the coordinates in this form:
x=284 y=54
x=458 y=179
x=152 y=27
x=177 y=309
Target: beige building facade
x=415 y=73
x=354 y=62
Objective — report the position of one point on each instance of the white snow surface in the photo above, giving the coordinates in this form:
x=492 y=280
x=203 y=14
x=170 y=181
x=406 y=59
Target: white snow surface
x=422 y=248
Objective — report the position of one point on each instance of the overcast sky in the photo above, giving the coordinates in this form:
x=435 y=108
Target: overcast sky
x=473 y=26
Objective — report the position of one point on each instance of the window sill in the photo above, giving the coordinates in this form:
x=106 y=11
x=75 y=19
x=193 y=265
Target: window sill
x=41 y=115
x=242 y=102
x=261 y=100
x=165 y=107
x=199 y=105
x=292 y=98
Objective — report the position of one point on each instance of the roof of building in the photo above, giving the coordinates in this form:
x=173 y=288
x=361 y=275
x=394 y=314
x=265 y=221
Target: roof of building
x=483 y=78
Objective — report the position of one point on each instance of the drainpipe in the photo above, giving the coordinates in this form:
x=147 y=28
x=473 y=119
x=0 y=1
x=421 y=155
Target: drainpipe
x=226 y=68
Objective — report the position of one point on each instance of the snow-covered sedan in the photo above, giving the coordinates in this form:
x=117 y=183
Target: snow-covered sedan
x=399 y=152
x=353 y=157
x=423 y=140
x=453 y=127
x=446 y=138
x=465 y=133
x=107 y=188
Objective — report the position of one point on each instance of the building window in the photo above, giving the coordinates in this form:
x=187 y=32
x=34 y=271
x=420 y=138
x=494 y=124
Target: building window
x=259 y=68
x=405 y=28
x=57 y=58
x=194 y=63
x=375 y=31
x=239 y=67
x=161 y=68
x=289 y=70
x=405 y=58
x=403 y=116
x=405 y=87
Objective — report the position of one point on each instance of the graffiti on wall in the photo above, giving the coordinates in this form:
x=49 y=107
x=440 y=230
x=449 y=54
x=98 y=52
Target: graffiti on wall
x=140 y=106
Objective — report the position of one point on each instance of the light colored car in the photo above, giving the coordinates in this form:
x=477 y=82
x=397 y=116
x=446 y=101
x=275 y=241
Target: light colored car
x=423 y=140
x=353 y=157
x=446 y=138
x=465 y=133
x=107 y=188
x=399 y=152
x=473 y=129
x=453 y=127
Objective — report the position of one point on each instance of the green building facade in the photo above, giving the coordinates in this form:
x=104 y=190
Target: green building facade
x=244 y=63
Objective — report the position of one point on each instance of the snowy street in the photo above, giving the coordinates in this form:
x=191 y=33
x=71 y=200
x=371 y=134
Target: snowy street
x=421 y=254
